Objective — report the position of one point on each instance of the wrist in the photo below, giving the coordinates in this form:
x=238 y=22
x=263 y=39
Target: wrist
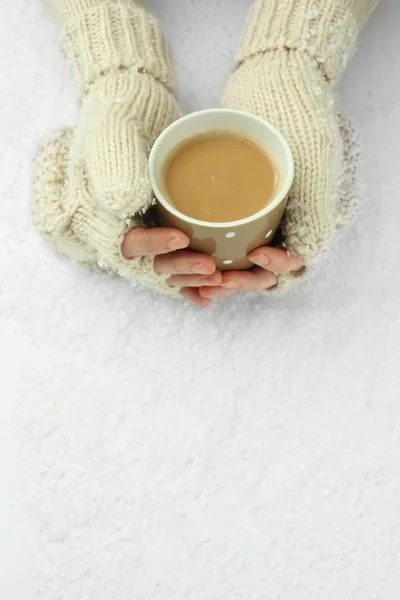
x=111 y=36
x=62 y=10
x=324 y=29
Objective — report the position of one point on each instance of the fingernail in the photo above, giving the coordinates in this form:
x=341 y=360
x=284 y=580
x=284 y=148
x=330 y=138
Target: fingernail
x=176 y=244
x=205 y=303
x=232 y=285
x=262 y=260
x=205 y=292
x=201 y=270
x=209 y=281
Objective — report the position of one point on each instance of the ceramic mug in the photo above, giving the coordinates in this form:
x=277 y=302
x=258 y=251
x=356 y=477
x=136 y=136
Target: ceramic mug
x=227 y=243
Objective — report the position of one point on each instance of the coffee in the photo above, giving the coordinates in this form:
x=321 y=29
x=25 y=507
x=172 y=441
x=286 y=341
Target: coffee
x=220 y=177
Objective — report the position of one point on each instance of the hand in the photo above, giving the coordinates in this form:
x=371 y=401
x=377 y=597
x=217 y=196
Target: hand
x=189 y=271
x=286 y=66
x=268 y=261
x=92 y=181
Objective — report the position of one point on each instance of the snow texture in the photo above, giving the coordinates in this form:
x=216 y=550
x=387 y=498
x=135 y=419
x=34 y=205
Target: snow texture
x=151 y=450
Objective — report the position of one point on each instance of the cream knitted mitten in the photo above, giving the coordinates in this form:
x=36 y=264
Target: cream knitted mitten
x=291 y=54
x=91 y=183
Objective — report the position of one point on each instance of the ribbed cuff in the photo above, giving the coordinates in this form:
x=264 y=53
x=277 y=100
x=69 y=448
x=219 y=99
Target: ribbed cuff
x=107 y=36
x=324 y=29
x=73 y=8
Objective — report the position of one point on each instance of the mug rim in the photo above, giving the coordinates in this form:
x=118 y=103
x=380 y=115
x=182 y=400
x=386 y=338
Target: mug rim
x=285 y=189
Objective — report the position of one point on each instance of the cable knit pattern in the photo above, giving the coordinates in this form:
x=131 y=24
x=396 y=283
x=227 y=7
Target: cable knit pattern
x=290 y=53
x=91 y=182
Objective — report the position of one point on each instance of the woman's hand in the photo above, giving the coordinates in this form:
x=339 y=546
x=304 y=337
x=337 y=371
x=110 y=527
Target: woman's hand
x=189 y=271
x=268 y=261
x=196 y=274
x=288 y=61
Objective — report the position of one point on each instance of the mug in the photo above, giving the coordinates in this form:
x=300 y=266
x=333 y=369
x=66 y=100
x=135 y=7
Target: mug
x=230 y=243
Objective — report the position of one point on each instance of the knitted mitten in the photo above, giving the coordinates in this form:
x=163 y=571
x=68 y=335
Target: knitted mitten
x=291 y=54
x=91 y=183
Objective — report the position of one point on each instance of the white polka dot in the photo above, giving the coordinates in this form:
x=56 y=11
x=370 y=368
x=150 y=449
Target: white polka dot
x=228 y=262
x=269 y=234
x=230 y=235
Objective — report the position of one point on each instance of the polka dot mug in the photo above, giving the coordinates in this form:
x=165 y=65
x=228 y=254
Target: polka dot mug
x=227 y=243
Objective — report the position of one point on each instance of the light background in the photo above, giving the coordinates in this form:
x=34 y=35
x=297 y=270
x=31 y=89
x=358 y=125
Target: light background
x=149 y=450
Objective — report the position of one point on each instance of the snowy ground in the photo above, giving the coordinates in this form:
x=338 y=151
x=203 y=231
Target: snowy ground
x=150 y=450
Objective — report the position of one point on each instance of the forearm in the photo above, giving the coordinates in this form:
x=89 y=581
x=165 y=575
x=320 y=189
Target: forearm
x=325 y=29
x=103 y=36
x=62 y=10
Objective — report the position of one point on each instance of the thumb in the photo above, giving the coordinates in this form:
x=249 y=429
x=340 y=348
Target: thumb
x=115 y=151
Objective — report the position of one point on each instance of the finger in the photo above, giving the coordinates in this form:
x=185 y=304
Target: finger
x=184 y=263
x=242 y=281
x=276 y=260
x=216 y=292
x=256 y=280
x=194 y=296
x=182 y=281
x=148 y=242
